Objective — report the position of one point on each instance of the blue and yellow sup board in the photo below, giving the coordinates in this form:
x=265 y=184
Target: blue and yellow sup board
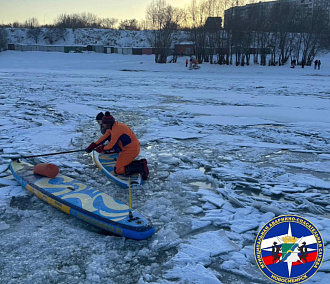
x=83 y=202
x=106 y=163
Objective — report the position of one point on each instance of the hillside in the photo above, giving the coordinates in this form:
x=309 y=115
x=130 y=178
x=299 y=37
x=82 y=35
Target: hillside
x=120 y=38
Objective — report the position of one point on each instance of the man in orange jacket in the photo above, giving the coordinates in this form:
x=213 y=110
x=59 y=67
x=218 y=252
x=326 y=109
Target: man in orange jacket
x=122 y=136
x=105 y=137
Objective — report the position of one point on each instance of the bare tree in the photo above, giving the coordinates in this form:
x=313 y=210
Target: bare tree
x=281 y=22
x=76 y=21
x=90 y=20
x=163 y=20
x=131 y=25
x=316 y=29
x=214 y=37
x=3 y=39
x=31 y=23
x=235 y=30
x=16 y=25
x=54 y=34
x=34 y=33
x=108 y=23
x=197 y=14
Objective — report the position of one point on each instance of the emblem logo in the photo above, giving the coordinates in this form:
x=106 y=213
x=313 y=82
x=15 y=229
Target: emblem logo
x=289 y=249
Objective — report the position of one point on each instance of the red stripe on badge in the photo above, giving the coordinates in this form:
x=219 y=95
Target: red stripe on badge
x=268 y=260
x=311 y=257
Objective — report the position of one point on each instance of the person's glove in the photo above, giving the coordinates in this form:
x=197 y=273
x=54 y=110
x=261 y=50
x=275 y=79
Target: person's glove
x=99 y=149
x=90 y=147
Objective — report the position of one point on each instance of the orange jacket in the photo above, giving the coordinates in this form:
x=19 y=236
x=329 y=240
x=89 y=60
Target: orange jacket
x=124 y=136
x=105 y=137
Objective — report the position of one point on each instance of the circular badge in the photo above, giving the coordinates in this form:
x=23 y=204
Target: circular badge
x=289 y=249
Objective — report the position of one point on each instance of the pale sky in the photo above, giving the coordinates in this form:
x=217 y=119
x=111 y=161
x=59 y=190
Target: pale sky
x=46 y=11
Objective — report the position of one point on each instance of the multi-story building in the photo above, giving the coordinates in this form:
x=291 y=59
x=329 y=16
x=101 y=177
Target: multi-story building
x=304 y=11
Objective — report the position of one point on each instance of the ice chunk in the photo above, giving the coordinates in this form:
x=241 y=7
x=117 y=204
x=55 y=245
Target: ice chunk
x=205 y=245
x=325 y=267
x=193 y=210
x=5 y=181
x=190 y=174
x=271 y=208
x=196 y=224
x=4 y=226
x=165 y=239
x=193 y=273
x=216 y=201
x=4 y=168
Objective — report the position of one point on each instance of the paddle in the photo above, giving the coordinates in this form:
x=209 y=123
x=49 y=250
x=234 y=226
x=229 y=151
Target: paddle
x=41 y=155
x=130 y=198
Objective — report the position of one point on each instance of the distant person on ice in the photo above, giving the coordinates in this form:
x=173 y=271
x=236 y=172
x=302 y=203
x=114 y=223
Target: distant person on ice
x=319 y=64
x=119 y=134
x=315 y=63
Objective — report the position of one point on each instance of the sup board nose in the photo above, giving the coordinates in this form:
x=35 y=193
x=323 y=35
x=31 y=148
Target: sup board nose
x=46 y=170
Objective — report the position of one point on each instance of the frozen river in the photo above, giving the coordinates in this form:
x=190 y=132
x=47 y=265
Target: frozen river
x=229 y=148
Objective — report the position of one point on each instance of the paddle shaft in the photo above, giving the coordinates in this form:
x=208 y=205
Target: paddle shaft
x=130 y=198
x=51 y=154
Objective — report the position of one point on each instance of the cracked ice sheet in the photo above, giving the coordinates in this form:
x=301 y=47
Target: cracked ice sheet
x=323 y=166
x=304 y=180
x=260 y=115
x=197 y=253
x=186 y=175
x=175 y=132
x=193 y=273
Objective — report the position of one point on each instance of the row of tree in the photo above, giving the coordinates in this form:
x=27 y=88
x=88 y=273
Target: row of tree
x=192 y=15
x=286 y=31
x=165 y=21
x=283 y=30
x=3 y=39
x=79 y=21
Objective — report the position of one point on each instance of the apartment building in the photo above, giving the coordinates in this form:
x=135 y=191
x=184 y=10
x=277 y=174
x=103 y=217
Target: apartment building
x=304 y=9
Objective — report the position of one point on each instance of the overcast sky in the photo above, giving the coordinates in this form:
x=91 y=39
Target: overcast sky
x=47 y=10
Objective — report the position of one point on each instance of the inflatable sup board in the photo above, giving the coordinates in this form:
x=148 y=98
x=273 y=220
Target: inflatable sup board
x=107 y=162
x=83 y=202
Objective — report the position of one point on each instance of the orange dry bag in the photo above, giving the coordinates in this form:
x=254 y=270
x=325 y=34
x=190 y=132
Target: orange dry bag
x=47 y=170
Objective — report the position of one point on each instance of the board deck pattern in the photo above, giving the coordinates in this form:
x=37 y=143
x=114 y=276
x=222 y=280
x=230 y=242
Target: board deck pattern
x=83 y=202
x=106 y=163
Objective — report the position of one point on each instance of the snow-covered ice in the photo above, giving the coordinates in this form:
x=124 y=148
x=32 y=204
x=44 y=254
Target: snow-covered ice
x=229 y=148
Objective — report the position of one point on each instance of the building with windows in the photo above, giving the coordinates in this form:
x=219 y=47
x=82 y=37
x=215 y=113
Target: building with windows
x=302 y=11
